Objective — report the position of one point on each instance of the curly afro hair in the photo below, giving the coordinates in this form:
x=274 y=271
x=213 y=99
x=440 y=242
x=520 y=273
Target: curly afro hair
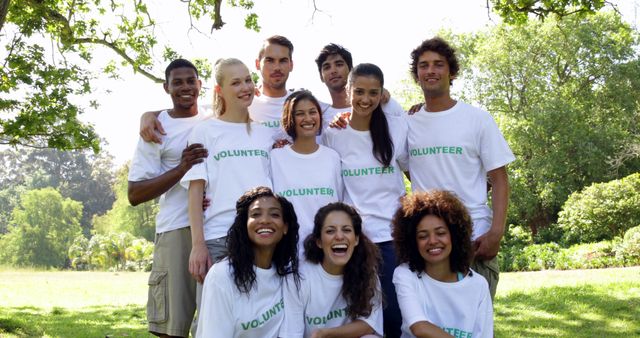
x=444 y=205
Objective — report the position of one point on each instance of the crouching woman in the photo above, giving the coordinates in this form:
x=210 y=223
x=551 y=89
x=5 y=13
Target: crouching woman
x=339 y=292
x=242 y=294
x=439 y=295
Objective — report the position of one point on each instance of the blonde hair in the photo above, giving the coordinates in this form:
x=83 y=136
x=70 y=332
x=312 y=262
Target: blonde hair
x=219 y=106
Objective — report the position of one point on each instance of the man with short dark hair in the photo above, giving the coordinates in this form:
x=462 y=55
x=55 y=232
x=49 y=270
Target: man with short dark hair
x=455 y=146
x=275 y=62
x=156 y=170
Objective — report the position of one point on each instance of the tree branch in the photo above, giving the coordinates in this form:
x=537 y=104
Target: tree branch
x=122 y=54
x=217 y=18
x=4 y=9
x=67 y=37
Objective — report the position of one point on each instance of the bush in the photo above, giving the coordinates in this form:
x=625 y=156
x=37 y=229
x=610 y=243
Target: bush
x=515 y=239
x=621 y=251
x=589 y=256
x=629 y=249
x=601 y=211
x=112 y=251
x=530 y=258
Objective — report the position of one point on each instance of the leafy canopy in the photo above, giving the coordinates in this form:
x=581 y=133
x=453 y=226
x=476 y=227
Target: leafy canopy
x=48 y=48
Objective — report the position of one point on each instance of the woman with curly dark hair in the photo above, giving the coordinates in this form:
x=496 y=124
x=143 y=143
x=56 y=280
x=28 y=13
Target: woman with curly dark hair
x=339 y=294
x=439 y=295
x=242 y=295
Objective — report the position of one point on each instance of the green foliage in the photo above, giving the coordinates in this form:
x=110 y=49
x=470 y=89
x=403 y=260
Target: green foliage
x=601 y=211
x=589 y=256
x=629 y=250
x=407 y=93
x=48 y=47
x=112 y=251
x=621 y=251
x=565 y=94
x=140 y=221
x=79 y=175
x=45 y=224
x=537 y=257
x=518 y=11
x=515 y=239
x=35 y=106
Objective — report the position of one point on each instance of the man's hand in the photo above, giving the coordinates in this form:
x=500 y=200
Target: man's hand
x=280 y=143
x=340 y=121
x=415 y=108
x=191 y=155
x=150 y=128
x=386 y=96
x=487 y=245
x=206 y=202
x=199 y=262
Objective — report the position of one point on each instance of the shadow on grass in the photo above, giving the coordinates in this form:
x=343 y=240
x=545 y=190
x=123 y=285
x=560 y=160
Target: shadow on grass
x=580 y=311
x=95 y=321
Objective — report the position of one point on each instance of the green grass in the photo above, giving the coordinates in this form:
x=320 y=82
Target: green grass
x=72 y=304
x=579 y=303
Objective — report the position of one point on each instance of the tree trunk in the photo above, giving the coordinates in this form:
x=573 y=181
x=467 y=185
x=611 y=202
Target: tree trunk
x=4 y=9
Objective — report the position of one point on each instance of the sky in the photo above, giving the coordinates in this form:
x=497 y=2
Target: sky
x=380 y=32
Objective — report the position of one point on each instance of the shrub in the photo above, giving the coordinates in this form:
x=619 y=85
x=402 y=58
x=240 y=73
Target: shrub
x=601 y=211
x=515 y=239
x=629 y=249
x=589 y=256
x=112 y=251
x=533 y=257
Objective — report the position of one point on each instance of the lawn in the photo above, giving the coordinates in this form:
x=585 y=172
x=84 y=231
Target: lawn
x=579 y=303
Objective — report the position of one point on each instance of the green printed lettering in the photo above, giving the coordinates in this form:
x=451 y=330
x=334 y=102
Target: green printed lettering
x=245 y=326
x=337 y=313
x=271 y=124
x=435 y=150
x=367 y=171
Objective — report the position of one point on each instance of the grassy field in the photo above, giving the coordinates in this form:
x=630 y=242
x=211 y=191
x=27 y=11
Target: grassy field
x=580 y=303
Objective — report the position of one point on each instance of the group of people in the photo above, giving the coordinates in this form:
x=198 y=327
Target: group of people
x=317 y=238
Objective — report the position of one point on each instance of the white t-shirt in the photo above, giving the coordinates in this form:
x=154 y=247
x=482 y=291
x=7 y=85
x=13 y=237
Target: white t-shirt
x=151 y=160
x=319 y=304
x=308 y=181
x=373 y=189
x=238 y=161
x=462 y=309
x=226 y=312
x=268 y=111
x=453 y=150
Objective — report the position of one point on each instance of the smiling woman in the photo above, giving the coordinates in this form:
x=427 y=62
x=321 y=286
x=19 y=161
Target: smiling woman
x=437 y=291
x=372 y=166
x=306 y=172
x=340 y=294
x=242 y=295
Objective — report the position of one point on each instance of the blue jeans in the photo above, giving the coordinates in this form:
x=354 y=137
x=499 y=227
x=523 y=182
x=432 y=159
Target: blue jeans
x=391 y=311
